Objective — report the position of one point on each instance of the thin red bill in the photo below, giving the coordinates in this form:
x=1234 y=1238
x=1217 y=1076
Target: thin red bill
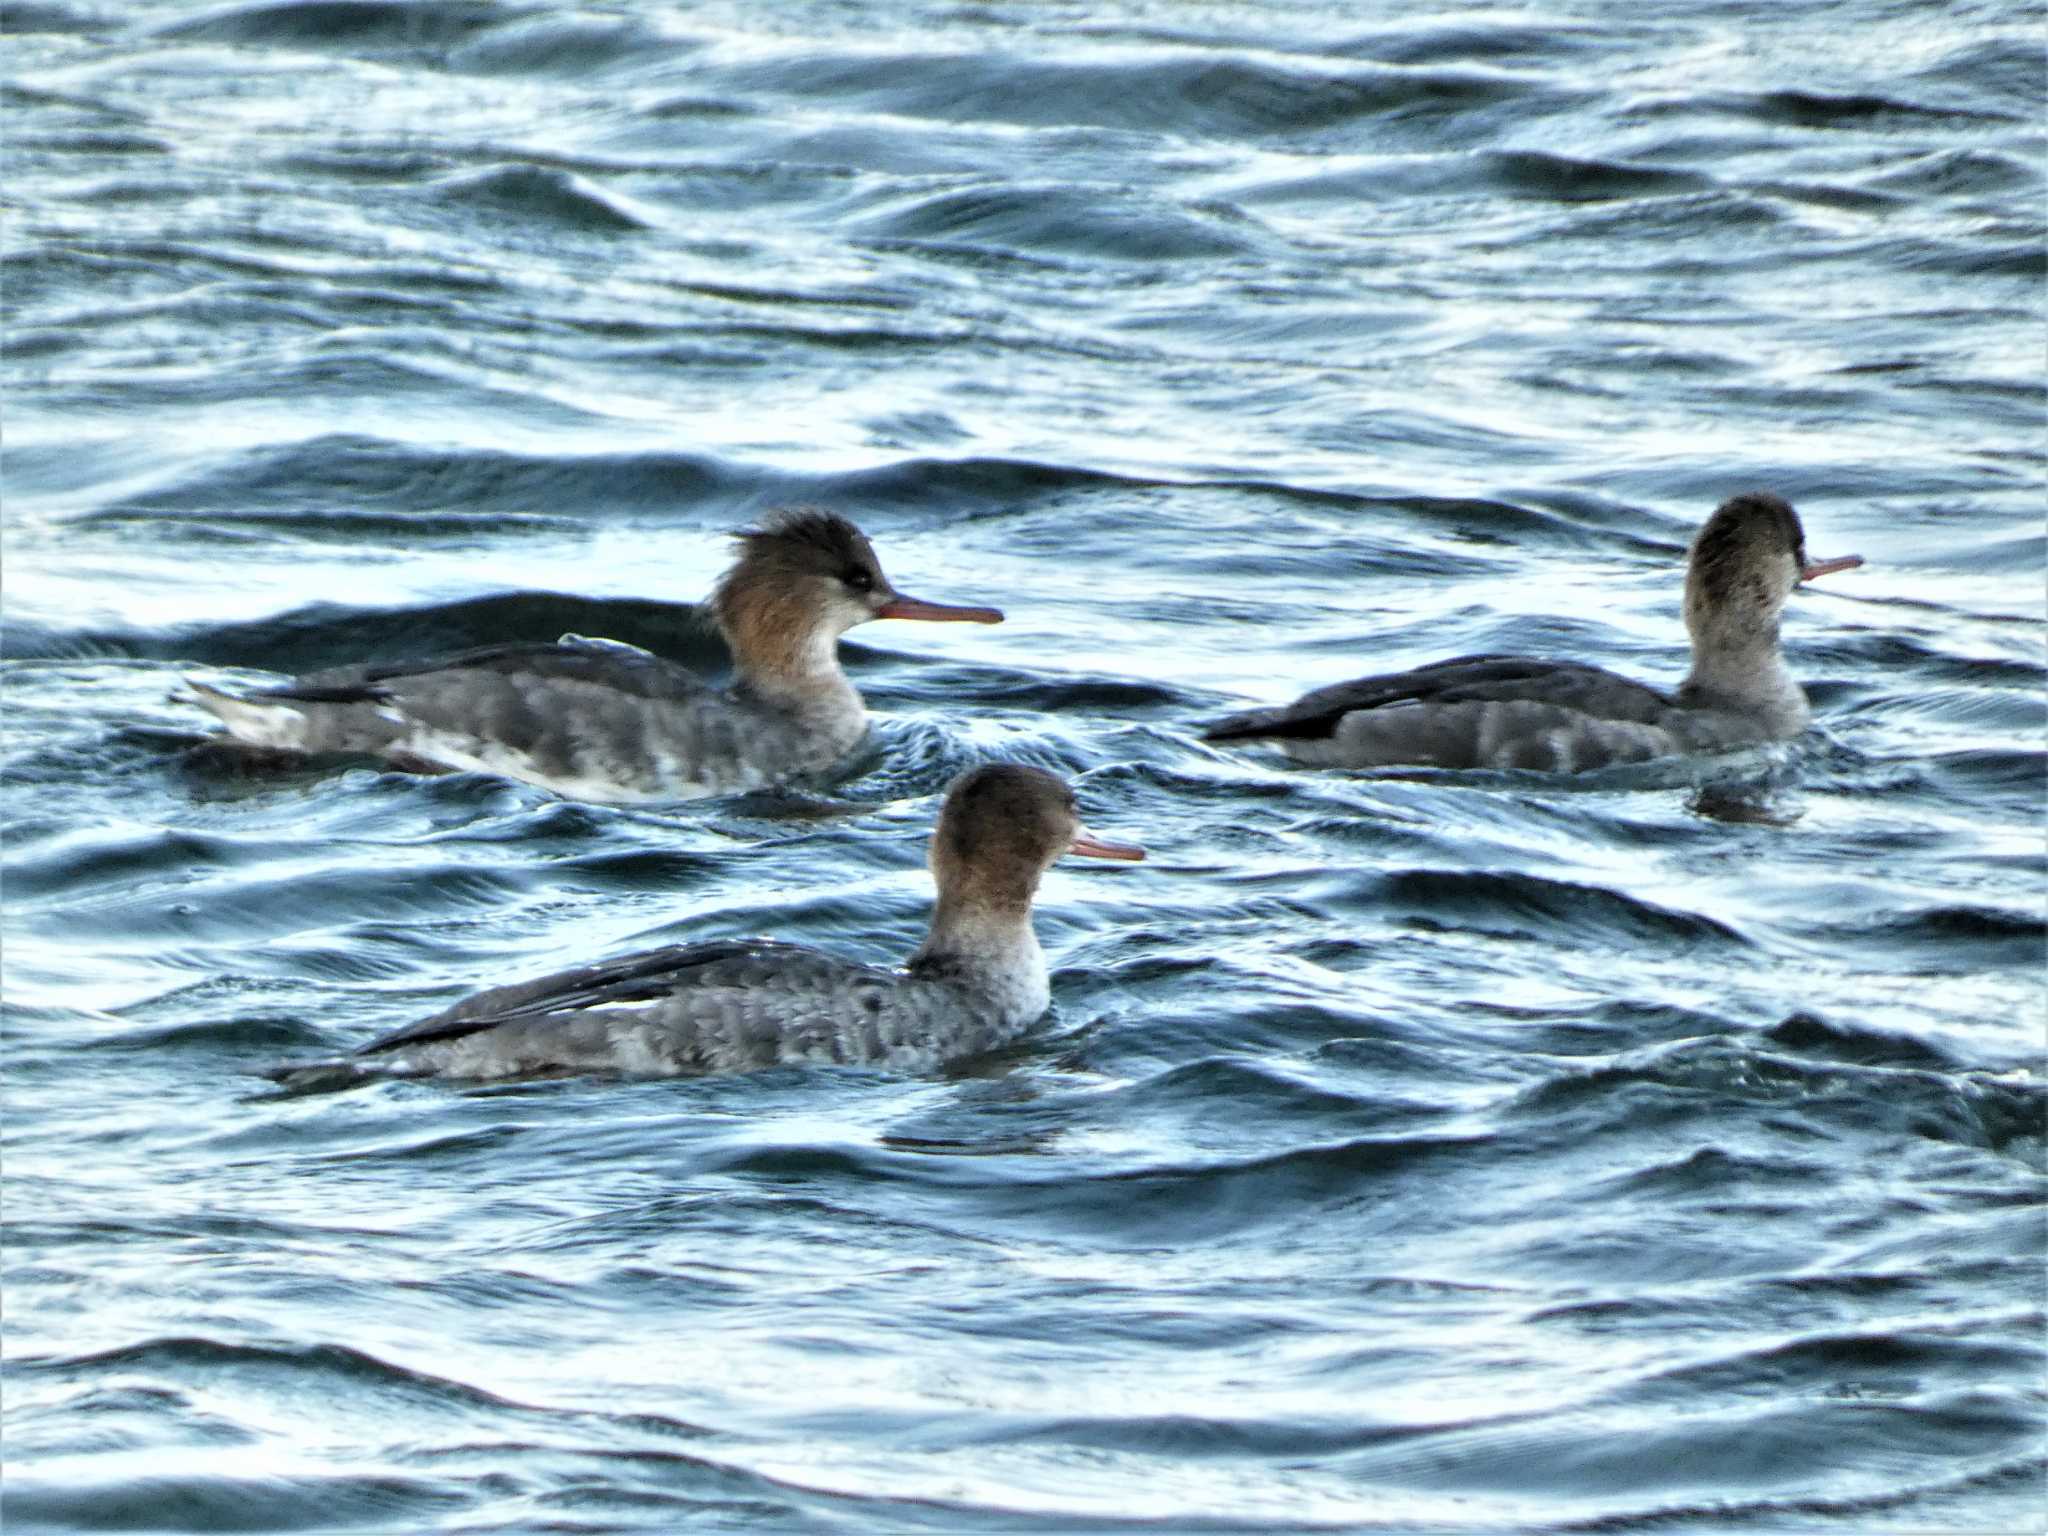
x=1089 y=846
x=1829 y=567
x=901 y=607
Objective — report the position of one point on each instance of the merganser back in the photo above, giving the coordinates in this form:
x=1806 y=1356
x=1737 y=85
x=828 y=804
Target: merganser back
x=974 y=983
x=1497 y=711
x=600 y=720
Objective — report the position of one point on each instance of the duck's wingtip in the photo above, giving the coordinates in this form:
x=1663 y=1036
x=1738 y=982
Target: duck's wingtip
x=1239 y=727
x=330 y=1075
x=189 y=690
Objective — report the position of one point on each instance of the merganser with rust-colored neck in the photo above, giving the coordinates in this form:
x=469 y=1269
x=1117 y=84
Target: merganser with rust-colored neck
x=1497 y=711
x=974 y=984
x=599 y=720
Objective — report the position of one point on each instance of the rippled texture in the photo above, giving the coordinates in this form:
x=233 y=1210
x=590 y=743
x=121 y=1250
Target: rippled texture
x=1429 y=1152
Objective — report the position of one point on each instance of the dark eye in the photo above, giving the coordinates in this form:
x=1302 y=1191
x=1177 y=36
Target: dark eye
x=857 y=579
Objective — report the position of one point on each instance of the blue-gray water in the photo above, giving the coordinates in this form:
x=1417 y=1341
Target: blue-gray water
x=1428 y=1153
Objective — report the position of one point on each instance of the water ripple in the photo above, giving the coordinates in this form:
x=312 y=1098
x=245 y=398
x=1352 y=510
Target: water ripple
x=1418 y=1151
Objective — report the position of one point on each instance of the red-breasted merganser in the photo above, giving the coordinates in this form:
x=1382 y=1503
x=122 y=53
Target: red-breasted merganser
x=600 y=720
x=1496 y=711
x=974 y=984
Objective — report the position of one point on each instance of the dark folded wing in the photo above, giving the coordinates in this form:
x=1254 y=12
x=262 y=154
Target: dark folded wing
x=1461 y=680
x=609 y=664
x=613 y=983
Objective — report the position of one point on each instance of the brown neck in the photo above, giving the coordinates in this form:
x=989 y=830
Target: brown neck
x=778 y=647
x=977 y=906
x=976 y=934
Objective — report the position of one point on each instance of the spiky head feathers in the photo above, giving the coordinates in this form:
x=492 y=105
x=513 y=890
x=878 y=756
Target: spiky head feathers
x=800 y=572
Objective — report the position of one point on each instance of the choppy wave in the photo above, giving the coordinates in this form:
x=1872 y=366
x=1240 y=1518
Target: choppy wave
x=1413 y=1151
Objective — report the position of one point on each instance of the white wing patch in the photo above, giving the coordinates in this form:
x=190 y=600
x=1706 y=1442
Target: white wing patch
x=261 y=725
x=474 y=754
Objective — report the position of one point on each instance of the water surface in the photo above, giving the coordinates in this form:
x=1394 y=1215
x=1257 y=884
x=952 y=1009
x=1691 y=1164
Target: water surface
x=1432 y=1152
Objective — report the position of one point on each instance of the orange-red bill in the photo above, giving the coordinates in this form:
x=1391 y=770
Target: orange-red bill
x=1829 y=567
x=1089 y=846
x=901 y=607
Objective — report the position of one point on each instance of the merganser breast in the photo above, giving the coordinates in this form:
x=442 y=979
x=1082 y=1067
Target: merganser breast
x=1504 y=711
x=600 y=720
x=975 y=983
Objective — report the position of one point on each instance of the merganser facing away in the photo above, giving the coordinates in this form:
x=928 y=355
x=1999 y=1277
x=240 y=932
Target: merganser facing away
x=976 y=981
x=600 y=720
x=1495 y=711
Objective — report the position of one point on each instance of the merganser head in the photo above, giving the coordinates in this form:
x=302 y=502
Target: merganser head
x=1745 y=562
x=1001 y=828
x=803 y=572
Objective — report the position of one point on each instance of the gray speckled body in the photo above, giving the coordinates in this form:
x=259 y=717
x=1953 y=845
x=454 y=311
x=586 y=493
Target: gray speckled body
x=592 y=719
x=1496 y=711
x=598 y=720
x=1505 y=712
x=718 y=1007
x=975 y=983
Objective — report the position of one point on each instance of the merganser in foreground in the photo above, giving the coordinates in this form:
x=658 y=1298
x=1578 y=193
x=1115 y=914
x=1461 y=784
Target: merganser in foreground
x=1522 y=712
x=600 y=720
x=975 y=983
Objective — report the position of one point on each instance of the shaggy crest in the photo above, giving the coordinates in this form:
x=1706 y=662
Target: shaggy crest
x=809 y=535
x=795 y=542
